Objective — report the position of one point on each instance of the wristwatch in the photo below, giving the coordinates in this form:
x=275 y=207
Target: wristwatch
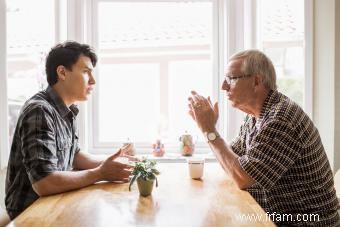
x=211 y=136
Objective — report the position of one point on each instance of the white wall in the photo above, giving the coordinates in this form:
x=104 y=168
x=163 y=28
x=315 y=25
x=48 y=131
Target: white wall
x=326 y=109
x=4 y=147
x=337 y=87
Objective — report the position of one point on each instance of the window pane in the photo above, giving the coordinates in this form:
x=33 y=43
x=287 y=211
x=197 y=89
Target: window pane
x=282 y=39
x=160 y=51
x=128 y=100
x=154 y=24
x=30 y=34
x=185 y=76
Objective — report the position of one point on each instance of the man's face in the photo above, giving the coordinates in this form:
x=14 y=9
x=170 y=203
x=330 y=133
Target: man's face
x=79 y=80
x=240 y=90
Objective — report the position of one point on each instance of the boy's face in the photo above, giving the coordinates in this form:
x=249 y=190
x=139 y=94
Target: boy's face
x=79 y=81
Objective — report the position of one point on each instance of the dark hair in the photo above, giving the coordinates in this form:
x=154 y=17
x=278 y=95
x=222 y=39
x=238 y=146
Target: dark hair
x=66 y=54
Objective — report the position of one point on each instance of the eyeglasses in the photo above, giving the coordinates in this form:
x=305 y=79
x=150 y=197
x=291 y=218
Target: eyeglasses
x=231 y=80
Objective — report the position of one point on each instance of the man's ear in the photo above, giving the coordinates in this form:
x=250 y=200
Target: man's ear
x=61 y=71
x=258 y=79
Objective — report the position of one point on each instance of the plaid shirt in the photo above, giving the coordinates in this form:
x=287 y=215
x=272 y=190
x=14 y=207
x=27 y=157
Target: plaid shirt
x=283 y=153
x=45 y=140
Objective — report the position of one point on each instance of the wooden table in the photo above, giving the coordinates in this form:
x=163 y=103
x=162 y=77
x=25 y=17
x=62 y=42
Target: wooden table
x=178 y=201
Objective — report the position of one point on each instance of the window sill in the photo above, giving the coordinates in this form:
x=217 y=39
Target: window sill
x=177 y=158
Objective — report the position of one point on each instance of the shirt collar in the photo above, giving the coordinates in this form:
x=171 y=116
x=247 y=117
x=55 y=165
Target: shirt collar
x=60 y=105
x=272 y=97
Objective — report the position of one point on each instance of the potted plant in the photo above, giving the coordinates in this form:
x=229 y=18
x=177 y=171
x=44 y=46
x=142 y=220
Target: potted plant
x=145 y=173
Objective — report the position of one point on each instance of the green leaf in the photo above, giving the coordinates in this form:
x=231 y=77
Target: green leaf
x=155 y=171
x=133 y=180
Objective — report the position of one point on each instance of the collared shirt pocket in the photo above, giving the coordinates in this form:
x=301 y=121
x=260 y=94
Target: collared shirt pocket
x=63 y=153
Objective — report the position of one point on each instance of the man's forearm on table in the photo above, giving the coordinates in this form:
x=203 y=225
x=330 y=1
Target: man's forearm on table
x=62 y=181
x=229 y=161
x=83 y=160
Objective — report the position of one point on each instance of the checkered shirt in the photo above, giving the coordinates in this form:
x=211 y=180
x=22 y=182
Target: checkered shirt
x=45 y=140
x=283 y=153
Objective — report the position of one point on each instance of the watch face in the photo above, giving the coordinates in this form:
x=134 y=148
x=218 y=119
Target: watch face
x=211 y=136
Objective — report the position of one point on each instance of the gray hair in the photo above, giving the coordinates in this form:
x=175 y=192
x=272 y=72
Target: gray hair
x=256 y=62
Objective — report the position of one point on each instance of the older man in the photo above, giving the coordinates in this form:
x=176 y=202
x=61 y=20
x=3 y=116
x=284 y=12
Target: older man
x=278 y=156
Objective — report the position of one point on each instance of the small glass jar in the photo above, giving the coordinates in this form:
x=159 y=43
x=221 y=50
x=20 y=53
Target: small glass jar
x=158 y=148
x=132 y=151
x=187 y=146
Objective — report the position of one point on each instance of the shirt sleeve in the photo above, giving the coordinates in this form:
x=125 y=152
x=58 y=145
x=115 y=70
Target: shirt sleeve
x=272 y=152
x=236 y=143
x=38 y=143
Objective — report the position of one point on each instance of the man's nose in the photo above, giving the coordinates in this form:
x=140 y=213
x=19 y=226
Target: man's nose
x=92 y=80
x=225 y=86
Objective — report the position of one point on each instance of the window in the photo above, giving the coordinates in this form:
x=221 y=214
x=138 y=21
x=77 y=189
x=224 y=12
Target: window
x=151 y=54
x=281 y=29
x=26 y=50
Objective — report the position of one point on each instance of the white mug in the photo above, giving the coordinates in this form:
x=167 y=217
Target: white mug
x=196 y=167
